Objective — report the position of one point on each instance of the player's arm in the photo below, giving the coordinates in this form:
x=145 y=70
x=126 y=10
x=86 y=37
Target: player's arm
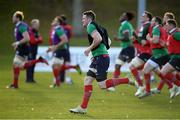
x=96 y=41
x=155 y=39
x=156 y=36
x=64 y=40
x=25 y=39
x=124 y=37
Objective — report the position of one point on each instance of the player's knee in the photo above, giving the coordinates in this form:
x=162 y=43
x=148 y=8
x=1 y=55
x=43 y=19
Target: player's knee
x=119 y=62
x=88 y=80
x=18 y=62
x=57 y=61
x=136 y=62
x=117 y=67
x=102 y=84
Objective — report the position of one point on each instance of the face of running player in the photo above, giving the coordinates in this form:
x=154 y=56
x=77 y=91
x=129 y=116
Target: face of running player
x=169 y=27
x=153 y=22
x=35 y=25
x=144 y=18
x=122 y=18
x=85 y=20
x=14 y=19
x=55 y=22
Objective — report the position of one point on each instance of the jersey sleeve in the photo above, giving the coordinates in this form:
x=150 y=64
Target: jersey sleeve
x=90 y=28
x=176 y=36
x=156 y=32
x=23 y=29
x=125 y=28
x=60 y=32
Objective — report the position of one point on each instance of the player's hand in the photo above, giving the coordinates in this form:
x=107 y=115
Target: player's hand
x=15 y=45
x=116 y=38
x=133 y=38
x=87 y=51
x=148 y=37
x=143 y=42
x=51 y=49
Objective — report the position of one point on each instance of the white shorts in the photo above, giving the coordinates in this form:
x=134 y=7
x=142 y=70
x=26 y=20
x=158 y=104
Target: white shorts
x=19 y=61
x=58 y=61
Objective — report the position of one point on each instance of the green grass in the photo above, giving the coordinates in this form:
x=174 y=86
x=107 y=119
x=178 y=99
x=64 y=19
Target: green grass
x=38 y=101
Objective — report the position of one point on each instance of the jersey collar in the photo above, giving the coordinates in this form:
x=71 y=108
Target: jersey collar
x=58 y=26
x=18 y=23
x=172 y=30
x=123 y=22
x=146 y=22
x=89 y=23
x=156 y=26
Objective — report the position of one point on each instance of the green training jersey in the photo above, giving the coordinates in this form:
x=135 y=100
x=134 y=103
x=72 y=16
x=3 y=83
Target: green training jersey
x=159 y=52
x=125 y=27
x=101 y=48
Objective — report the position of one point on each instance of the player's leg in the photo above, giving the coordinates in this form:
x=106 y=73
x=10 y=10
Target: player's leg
x=91 y=75
x=166 y=71
x=17 y=65
x=56 y=65
x=101 y=75
x=134 y=65
x=33 y=62
x=30 y=70
x=162 y=61
x=118 y=63
x=137 y=64
x=149 y=66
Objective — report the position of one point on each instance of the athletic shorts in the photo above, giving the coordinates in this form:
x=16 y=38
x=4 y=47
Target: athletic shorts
x=175 y=62
x=60 y=53
x=161 y=61
x=23 y=51
x=99 y=67
x=144 y=56
x=127 y=54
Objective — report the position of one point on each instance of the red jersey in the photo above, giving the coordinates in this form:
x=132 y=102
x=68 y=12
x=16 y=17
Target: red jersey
x=162 y=39
x=172 y=43
x=35 y=37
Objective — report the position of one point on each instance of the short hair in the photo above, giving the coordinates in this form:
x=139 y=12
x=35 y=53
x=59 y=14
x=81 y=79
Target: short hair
x=63 y=19
x=158 y=20
x=172 y=22
x=90 y=14
x=149 y=15
x=58 y=18
x=19 y=15
x=34 y=21
x=129 y=15
x=170 y=15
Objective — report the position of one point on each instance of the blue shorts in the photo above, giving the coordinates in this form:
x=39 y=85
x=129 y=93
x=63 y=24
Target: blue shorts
x=161 y=61
x=127 y=54
x=60 y=53
x=175 y=62
x=23 y=51
x=99 y=67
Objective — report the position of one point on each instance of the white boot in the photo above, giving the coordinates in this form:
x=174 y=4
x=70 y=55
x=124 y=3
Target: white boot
x=155 y=91
x=111 y=89
x=139 y=91
x=79 y=110
x=172 y=91
x=178 y=91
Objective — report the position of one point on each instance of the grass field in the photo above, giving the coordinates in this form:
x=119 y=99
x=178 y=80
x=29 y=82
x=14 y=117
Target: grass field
x=38 y=101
